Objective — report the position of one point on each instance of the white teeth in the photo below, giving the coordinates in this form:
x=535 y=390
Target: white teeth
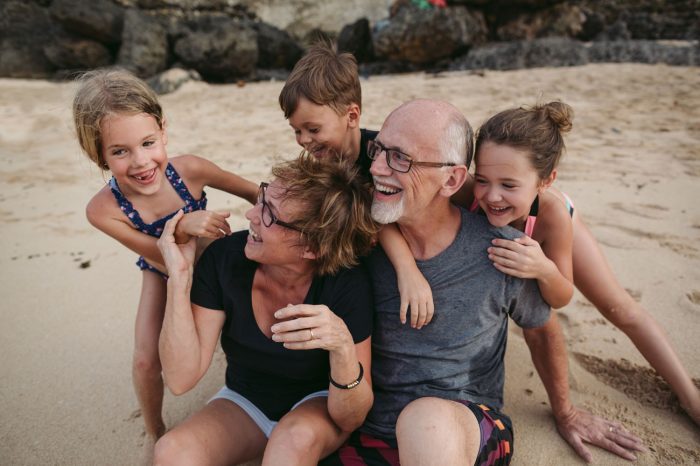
x=143 y=177
x=254 y=235
x=384 y=189
x=498 y=209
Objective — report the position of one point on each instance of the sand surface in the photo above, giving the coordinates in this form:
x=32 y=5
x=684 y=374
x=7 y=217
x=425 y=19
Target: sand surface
x=70 y=293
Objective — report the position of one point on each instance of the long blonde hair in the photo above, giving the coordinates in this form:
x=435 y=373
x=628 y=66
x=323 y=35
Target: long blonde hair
x=104 y=92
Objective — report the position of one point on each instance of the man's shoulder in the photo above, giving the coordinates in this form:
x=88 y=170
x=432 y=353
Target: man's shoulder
x=477 y=225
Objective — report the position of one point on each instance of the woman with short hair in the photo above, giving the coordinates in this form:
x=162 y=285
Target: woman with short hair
x=294 y=315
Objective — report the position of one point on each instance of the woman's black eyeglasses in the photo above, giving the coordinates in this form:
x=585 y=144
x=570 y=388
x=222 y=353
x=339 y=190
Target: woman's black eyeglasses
x=268 y=218
x=399 y=161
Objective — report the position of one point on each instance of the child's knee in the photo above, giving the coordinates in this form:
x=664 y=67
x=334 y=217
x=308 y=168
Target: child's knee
x=146 y=363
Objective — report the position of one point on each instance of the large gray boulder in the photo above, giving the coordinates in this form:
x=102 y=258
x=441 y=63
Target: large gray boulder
x=425 y=36
x=563 y=20
x=100 y=20
x=276 y=48
x=513 y=55
x=76 y=53
x=25 y=28
x=356 y=38
x=644 y=51
x=219 y=48
x=144 y=49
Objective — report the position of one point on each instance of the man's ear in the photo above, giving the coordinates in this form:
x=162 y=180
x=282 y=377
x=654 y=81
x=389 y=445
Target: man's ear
x=455 y=180
x=353 y=114
x=547 y=182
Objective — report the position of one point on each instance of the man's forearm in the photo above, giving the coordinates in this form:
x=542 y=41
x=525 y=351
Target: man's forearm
x=548 y=351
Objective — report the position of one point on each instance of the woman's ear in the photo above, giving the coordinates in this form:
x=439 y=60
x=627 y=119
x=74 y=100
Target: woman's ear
x=353 y=114
x=308 y=254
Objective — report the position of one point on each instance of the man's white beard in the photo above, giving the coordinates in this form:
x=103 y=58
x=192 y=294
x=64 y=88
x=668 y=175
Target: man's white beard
x=387 y=212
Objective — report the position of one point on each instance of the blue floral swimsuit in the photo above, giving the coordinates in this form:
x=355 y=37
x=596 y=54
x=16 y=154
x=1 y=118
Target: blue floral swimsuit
x=155 y=229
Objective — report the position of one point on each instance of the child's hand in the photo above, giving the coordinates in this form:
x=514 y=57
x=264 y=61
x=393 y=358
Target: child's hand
x=203 y=224
x=416 y=295
x=522 y=257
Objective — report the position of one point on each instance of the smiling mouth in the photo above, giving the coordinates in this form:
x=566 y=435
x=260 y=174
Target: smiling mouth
x=145 y=176
x=254 y=236
x=498 y=210
x=386 y=189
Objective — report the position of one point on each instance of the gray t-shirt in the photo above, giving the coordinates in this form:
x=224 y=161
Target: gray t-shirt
x=459 y=354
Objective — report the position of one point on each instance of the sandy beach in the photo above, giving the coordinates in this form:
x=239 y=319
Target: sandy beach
x=70 y=292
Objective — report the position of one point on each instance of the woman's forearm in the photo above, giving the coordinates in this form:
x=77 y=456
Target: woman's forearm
x=349 y=407
x=180 y=352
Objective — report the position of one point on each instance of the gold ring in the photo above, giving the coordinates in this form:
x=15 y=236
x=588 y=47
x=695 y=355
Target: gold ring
x=312 y=337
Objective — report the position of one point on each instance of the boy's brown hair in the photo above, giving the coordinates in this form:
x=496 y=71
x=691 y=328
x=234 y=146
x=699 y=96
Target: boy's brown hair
x=324 y=77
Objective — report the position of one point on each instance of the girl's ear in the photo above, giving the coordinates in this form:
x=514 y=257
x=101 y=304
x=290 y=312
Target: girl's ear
x=547 y=182
x=353 y=114
x=165 y=133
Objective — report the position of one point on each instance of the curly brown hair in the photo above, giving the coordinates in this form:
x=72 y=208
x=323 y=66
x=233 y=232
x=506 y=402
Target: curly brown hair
x=335 y=219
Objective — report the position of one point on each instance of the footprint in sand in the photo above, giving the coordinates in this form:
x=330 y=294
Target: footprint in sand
x=640 y=383
x=651 y=211
x=694 y=297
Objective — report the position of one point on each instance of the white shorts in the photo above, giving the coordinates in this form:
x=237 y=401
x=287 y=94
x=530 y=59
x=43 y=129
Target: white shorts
x=264 y=423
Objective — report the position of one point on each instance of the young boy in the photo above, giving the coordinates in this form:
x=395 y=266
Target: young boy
x=322 y=100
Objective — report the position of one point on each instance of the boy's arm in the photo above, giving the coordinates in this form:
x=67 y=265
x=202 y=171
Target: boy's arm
x=548 y=351
x=209 y=174
x=414 y=289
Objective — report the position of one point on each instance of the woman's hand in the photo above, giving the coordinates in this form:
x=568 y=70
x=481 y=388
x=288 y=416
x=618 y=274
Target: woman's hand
x=522 y=257
x=311 y=326
x=203 y=224
x=416 y=295
x=177 y=257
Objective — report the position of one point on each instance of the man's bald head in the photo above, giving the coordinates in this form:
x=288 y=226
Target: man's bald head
x=437 y=124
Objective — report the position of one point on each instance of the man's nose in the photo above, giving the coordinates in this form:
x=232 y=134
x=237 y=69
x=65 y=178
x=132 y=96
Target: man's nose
x=379 y=166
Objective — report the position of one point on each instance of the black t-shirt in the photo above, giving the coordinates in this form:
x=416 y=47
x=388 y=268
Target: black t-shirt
x=363 y=160
x=270 y=376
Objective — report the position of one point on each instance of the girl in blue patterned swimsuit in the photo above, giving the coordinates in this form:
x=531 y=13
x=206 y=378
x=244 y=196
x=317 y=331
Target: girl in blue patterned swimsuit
x=121 y=128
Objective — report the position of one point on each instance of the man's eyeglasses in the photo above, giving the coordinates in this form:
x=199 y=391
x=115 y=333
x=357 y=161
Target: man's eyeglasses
x=268 y=218
x=399 y=161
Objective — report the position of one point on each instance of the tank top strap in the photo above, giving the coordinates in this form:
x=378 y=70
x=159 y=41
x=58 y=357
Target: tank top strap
x=127 y=207
x=178 y=184
x=532 y=217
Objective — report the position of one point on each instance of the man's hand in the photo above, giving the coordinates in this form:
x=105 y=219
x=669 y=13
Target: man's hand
x=579 y=426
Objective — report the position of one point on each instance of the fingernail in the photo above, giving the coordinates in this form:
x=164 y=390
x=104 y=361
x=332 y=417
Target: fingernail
x=273 y=328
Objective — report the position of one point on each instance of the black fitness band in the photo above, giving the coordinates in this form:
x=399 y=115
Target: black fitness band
x=352 y=384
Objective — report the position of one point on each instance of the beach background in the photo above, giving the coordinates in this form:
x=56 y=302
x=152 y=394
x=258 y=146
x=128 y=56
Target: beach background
x=69 y=293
